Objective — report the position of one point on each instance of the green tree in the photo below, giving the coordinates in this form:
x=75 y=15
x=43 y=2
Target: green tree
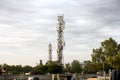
x=91 y=67
x=0 y=71
x=87 y=66
x=51 y=68
x=114 y=61
x=68 y=68
x=55 y=67
x=107 y=55
x=14 y=69
x=39 y=69
x=27 y=68
x=76 y=66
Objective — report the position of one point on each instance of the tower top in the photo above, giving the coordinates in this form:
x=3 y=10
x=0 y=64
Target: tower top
x=49 y=52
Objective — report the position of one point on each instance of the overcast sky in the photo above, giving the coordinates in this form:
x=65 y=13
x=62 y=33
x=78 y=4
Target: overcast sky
x=28 y=26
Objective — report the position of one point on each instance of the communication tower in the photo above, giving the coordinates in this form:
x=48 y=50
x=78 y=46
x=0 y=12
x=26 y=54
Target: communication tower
x=41 y=63
x=60 y=40
x=49 y=52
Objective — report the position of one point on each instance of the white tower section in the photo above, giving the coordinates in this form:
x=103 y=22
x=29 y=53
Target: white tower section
x=49 y=52
x=60 y=40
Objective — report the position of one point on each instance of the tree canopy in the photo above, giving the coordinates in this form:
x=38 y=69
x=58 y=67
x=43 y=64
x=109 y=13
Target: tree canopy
x=107 y=54
x=74 y=67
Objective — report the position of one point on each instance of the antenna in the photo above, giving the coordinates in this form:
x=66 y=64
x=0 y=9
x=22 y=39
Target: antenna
x=50 y=52
x=60 y=39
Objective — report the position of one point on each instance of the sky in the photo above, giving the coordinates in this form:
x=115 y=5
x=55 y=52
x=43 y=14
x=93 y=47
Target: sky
x=28 y=26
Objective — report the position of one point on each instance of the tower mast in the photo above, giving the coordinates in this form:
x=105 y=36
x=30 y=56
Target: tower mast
x=50 y=52
x=60 y=40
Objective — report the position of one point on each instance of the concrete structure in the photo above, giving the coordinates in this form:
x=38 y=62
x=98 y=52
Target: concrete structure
x=23 y=77
x=60 y=40
x=62 y=77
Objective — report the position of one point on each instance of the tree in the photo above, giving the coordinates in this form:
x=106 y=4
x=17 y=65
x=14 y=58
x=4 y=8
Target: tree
x=98 y=59
x=107 y=55
x=88 y=66
x=27 y=68
x=114 y=61
x=76 y=66
x=51 y=68
x=40 y=69
x=0 y=71
x=14 y=69
x=55 y=67
x=68 y=68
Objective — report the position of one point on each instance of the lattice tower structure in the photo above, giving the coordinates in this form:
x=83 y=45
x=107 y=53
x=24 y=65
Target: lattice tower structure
x=50 y=52
x=60 y=39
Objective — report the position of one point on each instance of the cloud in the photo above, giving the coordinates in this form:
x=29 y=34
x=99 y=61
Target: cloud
x=27 y=27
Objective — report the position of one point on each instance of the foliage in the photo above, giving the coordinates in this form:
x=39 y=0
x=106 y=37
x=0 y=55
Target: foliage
x=67 y=68
x=38 y=70
x=16 y=69
x=107 y=56
x=88 y=66
x=75 y=66
x=54 y=67
x=0 y=71
x=114 y=61
x=27 y=68
x=51 y=68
